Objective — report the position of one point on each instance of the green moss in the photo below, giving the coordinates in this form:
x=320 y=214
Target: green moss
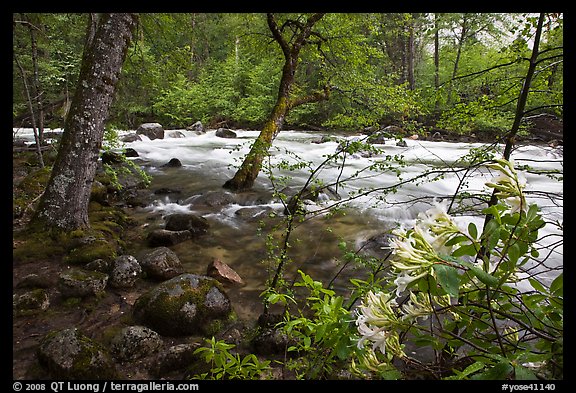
x=161 y=308
x=36 y=245
x=99 y=249
x=72 y=302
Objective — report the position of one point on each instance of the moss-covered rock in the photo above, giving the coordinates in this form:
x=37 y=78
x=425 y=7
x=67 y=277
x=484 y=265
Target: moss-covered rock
x=184 y=305
x=69 y=354
x=30 y=302
x=135 y=342
x=82 y=283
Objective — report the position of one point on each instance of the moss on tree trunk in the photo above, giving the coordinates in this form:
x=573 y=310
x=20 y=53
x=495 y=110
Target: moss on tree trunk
x=64 y=205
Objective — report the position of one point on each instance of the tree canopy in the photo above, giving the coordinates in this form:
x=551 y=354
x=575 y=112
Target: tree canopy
x=225 y=68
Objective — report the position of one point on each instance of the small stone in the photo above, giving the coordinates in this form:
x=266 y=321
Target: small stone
x=223 y=273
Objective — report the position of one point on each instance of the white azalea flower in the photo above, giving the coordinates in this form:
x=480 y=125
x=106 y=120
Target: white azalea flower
x=403 y=280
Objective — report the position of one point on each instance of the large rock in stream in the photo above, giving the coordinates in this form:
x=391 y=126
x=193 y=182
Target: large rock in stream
x=184 y=305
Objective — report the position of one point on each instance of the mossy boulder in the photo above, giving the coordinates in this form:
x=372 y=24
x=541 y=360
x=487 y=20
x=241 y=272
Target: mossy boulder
x=82 y=283
x=69 y=354
x=184 y=305
x=31 y=301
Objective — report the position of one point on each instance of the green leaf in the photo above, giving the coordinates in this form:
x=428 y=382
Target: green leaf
x=484 y=277
x=472 y=230
x=456 y=240
x=500 y=371
x=493 y=239
x=471 y=369
x=557 y=286
x=448 y=278
x=522 y=373
x=514 y=253
x=536 y=285
x=468 y=249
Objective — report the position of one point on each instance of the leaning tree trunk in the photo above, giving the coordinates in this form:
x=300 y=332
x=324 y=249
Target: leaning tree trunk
x=250 y=168
x=64 y=205
x=248 y=172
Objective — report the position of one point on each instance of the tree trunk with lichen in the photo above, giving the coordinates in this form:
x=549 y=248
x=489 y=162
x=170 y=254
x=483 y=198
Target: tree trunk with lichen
x=64 y=205
x=248 y=172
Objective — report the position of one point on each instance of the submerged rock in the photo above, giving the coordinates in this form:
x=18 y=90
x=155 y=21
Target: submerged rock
x=163 y=237
x=184 y=305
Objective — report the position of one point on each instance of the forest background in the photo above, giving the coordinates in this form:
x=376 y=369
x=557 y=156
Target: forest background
x=421 y=71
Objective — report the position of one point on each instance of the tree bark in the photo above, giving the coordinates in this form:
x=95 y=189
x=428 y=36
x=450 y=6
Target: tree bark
x=248 y=172
x=64 y=205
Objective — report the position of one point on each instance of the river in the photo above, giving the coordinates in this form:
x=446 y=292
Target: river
x=237 y=238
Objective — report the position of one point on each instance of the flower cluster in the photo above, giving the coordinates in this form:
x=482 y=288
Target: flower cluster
x=508 y=185
x=376 y=321
x=417 y=250
x=414 y=254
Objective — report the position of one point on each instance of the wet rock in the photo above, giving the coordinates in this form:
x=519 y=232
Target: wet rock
x=377 y=246
x=69 y=354
x=225 y=133
x=34 y=300
x=252 y=214
x=223 y=273
x=163 y=237
x=110 y=157
x=125 y=271
x=175 y=134
x=196 y=225
x=151 y=130
x=174 y=358
x=132 y=137
x=294 y=205
x=198 y=127
x=378 y=138
x=184 y=305
x=135 y=342
x=81 y=283
x=173 y=163
x=214 y=199
x=161 y=263
x=130 y=152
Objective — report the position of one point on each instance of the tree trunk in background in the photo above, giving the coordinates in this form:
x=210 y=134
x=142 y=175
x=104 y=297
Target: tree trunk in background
x=64 y=205
x=411 y=53
x=436 y=62
x=250 y=168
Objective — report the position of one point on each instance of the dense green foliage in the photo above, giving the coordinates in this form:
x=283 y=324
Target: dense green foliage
x=225 y=69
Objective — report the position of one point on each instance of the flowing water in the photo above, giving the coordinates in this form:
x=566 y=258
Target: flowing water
x=237 y=238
